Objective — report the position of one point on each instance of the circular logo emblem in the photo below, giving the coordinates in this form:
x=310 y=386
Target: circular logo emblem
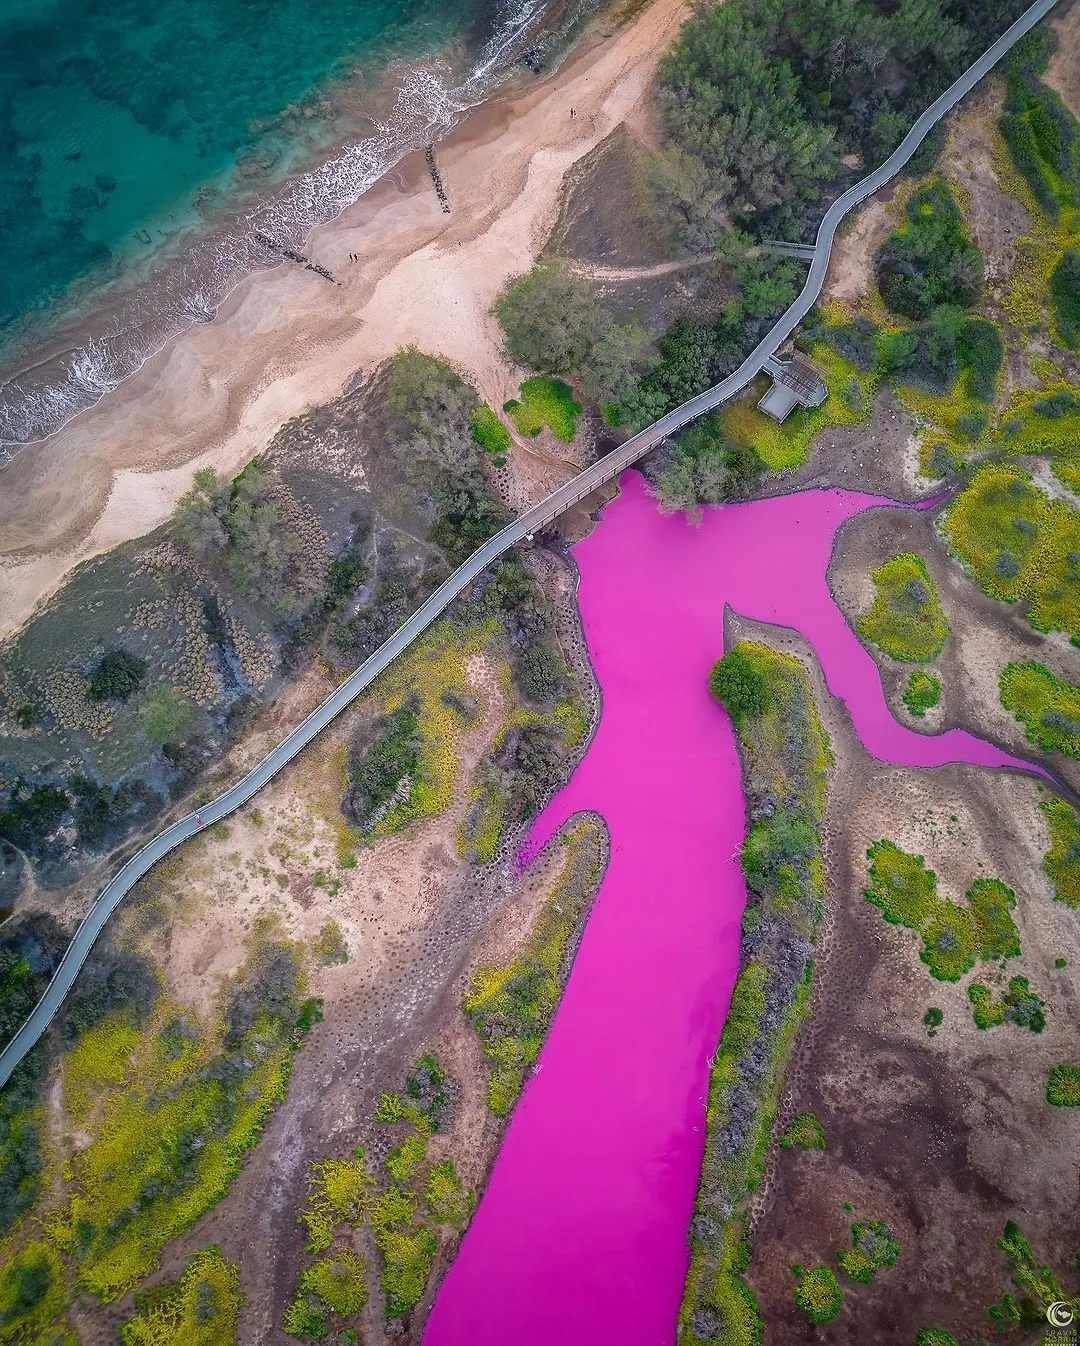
x=1059 y=1314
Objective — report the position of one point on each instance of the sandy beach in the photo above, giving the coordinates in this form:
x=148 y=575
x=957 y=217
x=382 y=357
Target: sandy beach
x=287 y=339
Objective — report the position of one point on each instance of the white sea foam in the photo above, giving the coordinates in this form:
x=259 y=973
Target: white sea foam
x=428 y=103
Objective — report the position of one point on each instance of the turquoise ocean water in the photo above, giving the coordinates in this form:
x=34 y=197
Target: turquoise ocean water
x=148 y=150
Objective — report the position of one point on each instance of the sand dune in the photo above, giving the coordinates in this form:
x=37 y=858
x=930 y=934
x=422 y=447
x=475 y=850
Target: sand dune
x=286 y=340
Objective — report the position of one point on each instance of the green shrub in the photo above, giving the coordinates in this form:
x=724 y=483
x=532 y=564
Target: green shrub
x=1062 y=861
x=935 y=1336
x=1019 y=1005
x=447 y=1201
x=818 y=1293
x=116 y=676
x=551 y=319
x=394 y=755
x=906 y=619
x=742 y=689
x=987 y=1011
x=545 y=402
x=873 y=1246
x=922 y=693
x=933 y=1019
x=1048 y=709
x=1065 y=288
x=1063 y=1087
x=806 y=1132
x=980 y=350
x=992 y=904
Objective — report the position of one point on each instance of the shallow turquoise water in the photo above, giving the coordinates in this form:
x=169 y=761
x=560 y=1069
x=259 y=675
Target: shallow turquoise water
x=124 y=122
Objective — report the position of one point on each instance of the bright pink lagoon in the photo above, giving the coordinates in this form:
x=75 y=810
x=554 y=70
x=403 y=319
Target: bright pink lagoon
x=580 y=1239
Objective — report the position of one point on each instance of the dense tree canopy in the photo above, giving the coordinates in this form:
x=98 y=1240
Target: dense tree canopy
x=762 y=100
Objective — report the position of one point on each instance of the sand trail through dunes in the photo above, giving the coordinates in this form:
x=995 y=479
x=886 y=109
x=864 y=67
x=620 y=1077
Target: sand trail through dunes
x=286 y=340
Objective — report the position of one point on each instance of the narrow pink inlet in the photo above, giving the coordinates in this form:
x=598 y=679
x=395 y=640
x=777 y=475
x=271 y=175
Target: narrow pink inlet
x=581 y=1236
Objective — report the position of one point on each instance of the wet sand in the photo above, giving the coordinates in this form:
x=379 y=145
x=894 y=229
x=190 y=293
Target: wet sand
x=287 y=339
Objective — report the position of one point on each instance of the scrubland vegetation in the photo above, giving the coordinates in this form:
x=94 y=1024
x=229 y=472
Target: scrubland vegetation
x=1048 y=709
x=873 y=1246
x=906 y=620
x=511 y=1007
x=1019 y=545
x=806 y=1132
x=202 y=1308
x=954 y=937
x=1062 y=861
x=1037 y=1286
x=168 y=1103
x=818 y=1293
x=786 y=755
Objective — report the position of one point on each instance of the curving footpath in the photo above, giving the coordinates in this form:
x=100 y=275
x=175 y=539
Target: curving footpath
x=523 y=527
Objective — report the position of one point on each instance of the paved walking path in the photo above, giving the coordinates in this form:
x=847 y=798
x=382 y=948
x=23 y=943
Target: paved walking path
x=529 y=523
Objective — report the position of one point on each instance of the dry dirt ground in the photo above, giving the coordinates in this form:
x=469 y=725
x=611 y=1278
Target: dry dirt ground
x=985 y=634
x=946 y=1138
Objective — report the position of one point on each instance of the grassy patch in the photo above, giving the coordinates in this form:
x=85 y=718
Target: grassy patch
x=806 y=1132
x=873 y=1246
x=171 y=1133
x=782 y=447
x=511 y=1007
x=545 y=402
x=906 y=619
x=490 y=433
x=1062 y=861
x=1019 y=545
x=202 y=1308
x=1063 y=1087
x=1048 y=709
x=922 y=693
x=818 y=1293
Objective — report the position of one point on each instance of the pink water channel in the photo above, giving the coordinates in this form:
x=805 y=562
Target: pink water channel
x=581 y=1236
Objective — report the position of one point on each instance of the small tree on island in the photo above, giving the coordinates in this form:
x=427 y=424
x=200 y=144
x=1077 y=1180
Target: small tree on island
x=739 y=687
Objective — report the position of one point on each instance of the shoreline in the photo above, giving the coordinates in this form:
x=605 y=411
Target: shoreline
x=284 y=341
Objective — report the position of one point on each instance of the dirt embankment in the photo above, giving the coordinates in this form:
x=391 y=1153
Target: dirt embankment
x=945 y=1138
